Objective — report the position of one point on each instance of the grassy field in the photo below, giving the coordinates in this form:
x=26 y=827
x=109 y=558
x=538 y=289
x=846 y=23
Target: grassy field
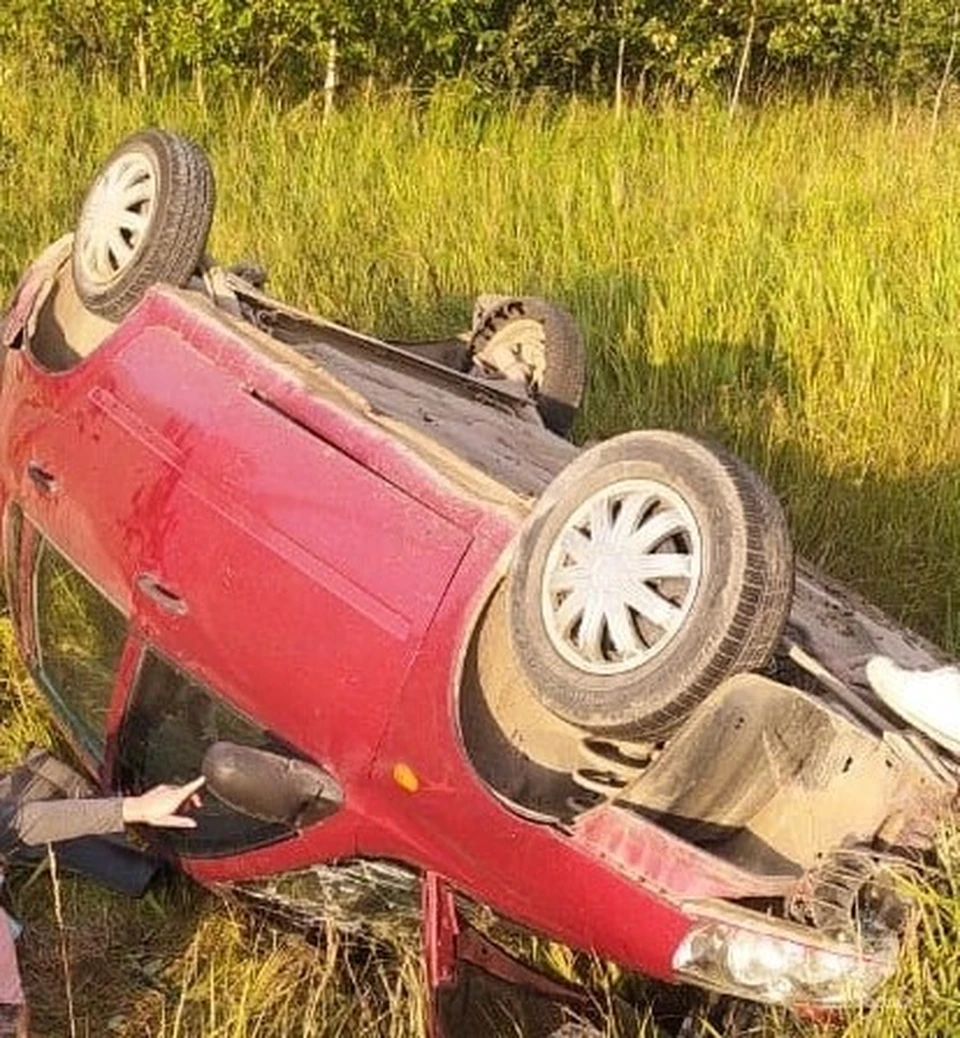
x=784 y=282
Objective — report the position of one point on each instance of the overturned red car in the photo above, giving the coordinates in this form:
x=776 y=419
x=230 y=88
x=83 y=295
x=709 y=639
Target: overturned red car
x=417 y=639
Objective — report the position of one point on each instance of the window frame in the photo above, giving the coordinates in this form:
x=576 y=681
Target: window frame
x=13 y=540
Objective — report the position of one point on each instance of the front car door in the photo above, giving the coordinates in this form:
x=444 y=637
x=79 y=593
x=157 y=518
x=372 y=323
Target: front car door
x=212 y=547
x=83 y=655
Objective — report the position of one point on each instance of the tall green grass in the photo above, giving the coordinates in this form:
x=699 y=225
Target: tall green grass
x=785 y=282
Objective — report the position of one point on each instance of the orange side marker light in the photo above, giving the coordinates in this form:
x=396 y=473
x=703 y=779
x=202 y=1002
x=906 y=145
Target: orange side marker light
x=405 y=777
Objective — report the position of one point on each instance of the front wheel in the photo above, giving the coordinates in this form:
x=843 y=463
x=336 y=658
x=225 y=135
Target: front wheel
x=653 y=567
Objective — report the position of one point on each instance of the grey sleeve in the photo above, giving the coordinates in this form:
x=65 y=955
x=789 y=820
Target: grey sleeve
x=47 y=821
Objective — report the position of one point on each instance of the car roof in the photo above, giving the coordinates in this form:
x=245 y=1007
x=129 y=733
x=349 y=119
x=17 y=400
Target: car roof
x=489 y=430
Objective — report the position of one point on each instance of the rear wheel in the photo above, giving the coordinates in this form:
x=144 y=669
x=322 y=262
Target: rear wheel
x=529 y=340
x=652 y=568
x=145 y=219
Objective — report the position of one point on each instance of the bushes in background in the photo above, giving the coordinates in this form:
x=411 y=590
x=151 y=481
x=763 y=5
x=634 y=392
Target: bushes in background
x=645 y=48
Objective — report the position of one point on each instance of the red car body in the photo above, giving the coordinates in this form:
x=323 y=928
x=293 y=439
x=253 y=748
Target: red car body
x=321 y=567
x=345 y=646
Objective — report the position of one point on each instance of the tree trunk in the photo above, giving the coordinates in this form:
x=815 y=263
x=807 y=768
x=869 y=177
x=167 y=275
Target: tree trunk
x=199 y=86
x=618 y=88
x=744 y=58
x=141 y=61
x=330 y=81
x=945 y=78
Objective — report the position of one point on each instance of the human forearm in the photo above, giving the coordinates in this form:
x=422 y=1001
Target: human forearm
x=48 y=821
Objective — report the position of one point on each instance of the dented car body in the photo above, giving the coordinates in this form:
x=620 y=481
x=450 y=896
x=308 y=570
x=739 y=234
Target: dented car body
x=244 y=540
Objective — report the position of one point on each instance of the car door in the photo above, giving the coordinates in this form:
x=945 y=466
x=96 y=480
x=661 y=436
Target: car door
x=80 y=502
x=83 y=655
x=73 y=466
x=171 y=722
x=257 y=567
x=275 y=565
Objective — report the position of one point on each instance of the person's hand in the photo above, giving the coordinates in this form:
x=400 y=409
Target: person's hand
x=159 y=806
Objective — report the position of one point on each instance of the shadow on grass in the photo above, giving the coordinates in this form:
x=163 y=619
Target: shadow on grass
x=183 y=963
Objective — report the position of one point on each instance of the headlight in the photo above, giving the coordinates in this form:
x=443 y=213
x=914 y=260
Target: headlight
x=769 y=967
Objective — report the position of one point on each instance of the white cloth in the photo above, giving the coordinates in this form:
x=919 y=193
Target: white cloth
x=929 y=700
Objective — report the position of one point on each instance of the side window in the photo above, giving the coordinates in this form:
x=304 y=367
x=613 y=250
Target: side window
x=80 y=637
x=171 y=722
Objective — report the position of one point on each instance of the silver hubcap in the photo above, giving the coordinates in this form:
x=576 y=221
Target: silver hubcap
x=116 y=218
x=621 y=576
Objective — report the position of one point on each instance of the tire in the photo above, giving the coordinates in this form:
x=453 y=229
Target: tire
x=681 y=551
x=530 y=340
x=145 y=219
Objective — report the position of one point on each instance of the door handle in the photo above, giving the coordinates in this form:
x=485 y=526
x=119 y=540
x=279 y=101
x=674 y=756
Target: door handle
x=43 y=479
x=169 y=601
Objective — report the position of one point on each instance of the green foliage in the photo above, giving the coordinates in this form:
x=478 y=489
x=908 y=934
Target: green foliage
x=888 y=46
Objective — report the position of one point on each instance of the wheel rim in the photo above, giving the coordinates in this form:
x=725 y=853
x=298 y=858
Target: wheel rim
x=116 y=218
x=621 y=577
x=518 y=351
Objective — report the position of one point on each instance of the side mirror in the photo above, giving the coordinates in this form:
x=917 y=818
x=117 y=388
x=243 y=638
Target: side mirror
x=269 y=786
